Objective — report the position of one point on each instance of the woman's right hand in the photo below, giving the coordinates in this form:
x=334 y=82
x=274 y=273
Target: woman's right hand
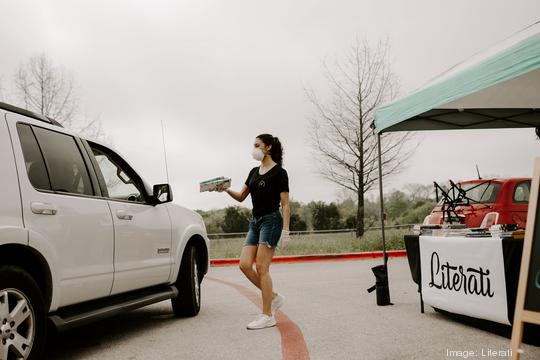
x=285 y=239
x=220 y=188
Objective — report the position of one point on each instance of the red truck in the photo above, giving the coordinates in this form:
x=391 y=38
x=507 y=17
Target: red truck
x=496 y=201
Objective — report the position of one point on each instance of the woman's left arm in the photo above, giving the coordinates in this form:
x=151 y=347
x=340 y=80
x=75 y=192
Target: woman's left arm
x=286 y=210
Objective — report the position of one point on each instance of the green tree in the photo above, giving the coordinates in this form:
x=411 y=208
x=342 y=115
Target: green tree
x=212 y=220
x=396 y=204
x=325 y=217
x=236 y=219
x=416 y=214
x=297 y=224
x=350 y=222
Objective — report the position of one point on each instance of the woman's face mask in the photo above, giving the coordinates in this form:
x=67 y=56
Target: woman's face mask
x=257 y=154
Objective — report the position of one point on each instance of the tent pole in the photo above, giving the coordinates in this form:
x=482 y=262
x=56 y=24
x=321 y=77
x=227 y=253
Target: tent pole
x=381 y=199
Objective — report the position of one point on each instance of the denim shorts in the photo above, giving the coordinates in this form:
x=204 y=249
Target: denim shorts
x=265 y=230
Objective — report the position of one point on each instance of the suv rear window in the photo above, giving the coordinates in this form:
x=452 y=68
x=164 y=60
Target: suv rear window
x=33 y=160
x=483 y=193
x=66 y=166
x=522 y=192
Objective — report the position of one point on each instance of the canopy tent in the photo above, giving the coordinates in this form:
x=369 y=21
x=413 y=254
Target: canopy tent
x=496 y=88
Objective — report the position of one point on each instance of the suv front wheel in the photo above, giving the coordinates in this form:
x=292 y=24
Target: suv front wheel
x=22 y=315
x=188 y=302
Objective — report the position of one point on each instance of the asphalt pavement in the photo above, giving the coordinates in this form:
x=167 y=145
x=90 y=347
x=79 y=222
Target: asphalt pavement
x=327 y=315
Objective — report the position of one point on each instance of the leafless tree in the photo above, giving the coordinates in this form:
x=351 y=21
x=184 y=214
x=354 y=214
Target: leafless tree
x=344 y=144
x=49 y=90
x=46 y=89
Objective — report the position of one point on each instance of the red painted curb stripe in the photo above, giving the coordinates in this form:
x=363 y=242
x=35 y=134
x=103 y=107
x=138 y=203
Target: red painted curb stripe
x=318 y=257
x=293 y=344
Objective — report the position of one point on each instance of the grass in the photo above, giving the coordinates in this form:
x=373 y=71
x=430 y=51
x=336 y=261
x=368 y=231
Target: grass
x=318 y=244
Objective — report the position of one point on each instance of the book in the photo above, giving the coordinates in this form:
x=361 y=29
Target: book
x=212 y=184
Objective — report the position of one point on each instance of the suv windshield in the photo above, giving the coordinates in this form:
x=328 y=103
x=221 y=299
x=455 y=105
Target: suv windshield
x=482 y=193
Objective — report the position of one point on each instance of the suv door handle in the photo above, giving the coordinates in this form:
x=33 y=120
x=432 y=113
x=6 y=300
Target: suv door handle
x=43 y=208
x=123 y=215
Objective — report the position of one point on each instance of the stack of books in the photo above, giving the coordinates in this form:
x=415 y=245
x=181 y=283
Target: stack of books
x=426 y=230
x=498 y=231
x=212 y=184
x=503 y=230
x=478 y=232
x=444 y=230
x=452 y=230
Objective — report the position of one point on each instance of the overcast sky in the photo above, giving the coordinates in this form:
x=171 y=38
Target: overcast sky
x=218 y=73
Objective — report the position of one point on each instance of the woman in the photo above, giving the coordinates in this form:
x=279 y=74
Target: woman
x=268 y=185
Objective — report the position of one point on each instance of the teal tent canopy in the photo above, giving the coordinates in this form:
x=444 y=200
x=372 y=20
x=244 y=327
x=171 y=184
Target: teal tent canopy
x=497 y=88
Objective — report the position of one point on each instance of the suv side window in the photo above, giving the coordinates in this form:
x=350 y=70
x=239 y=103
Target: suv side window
x=33 y=160
x=521 y=192
x=120 y=185
x=64 y=161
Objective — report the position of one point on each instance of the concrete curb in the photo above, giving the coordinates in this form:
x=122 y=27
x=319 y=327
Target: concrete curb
x=318 y=257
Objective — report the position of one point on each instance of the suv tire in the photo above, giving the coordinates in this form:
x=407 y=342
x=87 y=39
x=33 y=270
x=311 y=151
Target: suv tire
x=22 y=315
x=188 y=302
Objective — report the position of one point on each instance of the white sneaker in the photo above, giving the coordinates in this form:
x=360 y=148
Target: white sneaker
x=261 y=322
x=277 y=302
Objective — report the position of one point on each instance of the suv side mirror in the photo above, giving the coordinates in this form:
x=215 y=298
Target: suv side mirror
x=162 y=193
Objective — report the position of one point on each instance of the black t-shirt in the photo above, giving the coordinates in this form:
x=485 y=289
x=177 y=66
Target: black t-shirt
x=265 y=189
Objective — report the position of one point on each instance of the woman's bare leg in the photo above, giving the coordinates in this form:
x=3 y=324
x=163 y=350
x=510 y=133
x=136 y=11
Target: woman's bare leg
x=263 y=260
x=247 y=258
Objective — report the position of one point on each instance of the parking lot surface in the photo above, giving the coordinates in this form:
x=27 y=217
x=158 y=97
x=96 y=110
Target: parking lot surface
x=327 y=315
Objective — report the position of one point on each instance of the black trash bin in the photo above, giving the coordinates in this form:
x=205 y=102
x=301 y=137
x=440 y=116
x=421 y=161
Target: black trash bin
x=381 y=285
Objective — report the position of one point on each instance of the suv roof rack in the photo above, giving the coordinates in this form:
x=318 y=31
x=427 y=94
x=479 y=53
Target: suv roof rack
x=29 y=113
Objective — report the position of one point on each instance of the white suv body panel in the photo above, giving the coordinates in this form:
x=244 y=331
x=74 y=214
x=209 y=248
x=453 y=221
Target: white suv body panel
x=79 y=239
x=11 y=224
x=142 y=255
x=78 y=243
x=186 y=224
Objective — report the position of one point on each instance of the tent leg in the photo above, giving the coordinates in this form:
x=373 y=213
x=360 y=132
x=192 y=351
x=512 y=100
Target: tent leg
x=381 y=200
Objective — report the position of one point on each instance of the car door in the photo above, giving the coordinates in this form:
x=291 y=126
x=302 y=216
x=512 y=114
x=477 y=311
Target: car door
x=63 y=211
x=142 y=255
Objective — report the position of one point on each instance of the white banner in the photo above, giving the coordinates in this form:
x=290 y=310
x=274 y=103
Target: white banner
x=464 y=276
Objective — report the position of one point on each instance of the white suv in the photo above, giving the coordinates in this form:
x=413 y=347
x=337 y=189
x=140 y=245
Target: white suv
x=83 y=237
